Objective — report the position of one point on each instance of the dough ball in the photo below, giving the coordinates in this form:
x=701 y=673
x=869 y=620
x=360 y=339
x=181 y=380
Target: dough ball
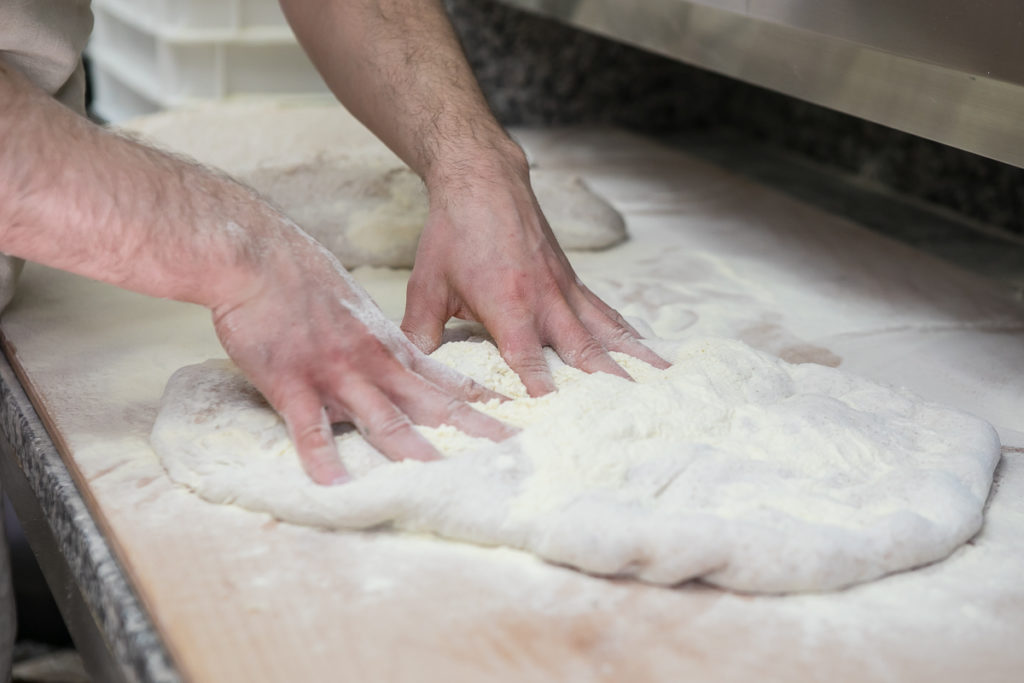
x=370 y=211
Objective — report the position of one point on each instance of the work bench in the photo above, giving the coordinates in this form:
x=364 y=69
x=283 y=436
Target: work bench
x=158 y=585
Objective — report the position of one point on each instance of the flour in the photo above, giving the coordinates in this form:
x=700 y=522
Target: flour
x=731 y=466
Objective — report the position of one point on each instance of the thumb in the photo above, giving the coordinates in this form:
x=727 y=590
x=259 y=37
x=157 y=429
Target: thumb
x=426 y=312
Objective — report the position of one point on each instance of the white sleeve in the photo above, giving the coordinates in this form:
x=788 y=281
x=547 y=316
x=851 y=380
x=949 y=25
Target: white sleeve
x=44 y=39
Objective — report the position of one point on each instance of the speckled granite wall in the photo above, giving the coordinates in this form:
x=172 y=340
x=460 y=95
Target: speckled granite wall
x=536 y=71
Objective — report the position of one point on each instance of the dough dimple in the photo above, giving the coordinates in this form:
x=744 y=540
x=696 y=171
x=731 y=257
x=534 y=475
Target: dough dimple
x=732 y=466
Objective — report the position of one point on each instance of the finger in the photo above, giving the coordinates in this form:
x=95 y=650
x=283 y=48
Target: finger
x=617 y=338
x=607 y=310
x=640 y=351
x=453 y=382
x=310 y=430
x=521 y=348
x=612 y=329
x=428 y=405
x=384 y=426
x=426 y=312
x=577 y=347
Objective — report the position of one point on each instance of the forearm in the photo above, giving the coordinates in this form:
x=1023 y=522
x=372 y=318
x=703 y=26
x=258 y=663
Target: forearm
x=486 y=252
x=398 y=66
x=76 y=197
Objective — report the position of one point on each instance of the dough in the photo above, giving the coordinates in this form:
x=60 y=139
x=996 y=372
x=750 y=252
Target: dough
x=344 y=186
x=732 y=466
x=242 y=134
x=369 y=209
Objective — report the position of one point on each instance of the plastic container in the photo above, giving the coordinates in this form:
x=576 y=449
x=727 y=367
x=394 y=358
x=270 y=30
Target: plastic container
x=114 y=100
x=210 y=16
x=141 y=65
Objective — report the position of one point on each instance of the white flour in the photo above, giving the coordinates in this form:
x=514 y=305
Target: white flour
x=732 y=466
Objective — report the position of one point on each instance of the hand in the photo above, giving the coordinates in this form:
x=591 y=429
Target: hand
x=77 y=197
x=319 y=349
x=487 y=254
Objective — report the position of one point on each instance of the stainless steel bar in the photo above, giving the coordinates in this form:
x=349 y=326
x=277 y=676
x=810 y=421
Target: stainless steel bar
x=110 y=629
x=85 y=633
x=944 y=70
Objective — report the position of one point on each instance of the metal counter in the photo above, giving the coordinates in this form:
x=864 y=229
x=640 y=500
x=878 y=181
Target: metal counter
x=111 y=629
x=945 y=70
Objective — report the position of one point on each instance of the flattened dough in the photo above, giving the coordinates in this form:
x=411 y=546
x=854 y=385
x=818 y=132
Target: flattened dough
x=732 y=466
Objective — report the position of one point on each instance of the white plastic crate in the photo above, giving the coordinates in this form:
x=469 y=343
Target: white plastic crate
x=210 y=16
x=114 y=100
x=140 y=65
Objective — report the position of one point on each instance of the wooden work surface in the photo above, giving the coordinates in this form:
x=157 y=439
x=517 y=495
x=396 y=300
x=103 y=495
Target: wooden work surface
x=238 y=596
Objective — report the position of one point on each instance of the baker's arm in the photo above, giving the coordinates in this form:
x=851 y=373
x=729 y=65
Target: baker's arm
x=486 y=252
x=77 y=197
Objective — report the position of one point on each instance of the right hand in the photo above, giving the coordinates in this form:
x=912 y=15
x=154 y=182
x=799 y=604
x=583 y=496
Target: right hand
x=488 y=254
x=321 y=351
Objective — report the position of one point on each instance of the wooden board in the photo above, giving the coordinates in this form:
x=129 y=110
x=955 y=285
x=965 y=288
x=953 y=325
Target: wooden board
x=238 y=596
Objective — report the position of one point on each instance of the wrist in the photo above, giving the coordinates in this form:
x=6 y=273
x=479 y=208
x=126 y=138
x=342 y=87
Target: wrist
x=251 y=256
x=462 y=171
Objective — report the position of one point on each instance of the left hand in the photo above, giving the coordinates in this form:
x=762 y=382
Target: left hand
x=321 y=352
x=488 y=254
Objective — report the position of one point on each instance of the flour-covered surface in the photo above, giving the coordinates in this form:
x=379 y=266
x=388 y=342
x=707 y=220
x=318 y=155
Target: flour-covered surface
x=240 y=597
x=731 y=466
x=344 y=186
x=369 y=209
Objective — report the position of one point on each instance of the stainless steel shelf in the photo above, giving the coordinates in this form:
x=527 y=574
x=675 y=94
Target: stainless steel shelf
x=941 y=69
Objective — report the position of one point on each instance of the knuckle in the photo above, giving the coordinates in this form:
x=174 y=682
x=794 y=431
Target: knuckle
x=464 y=384
x=550 y=287
x=590 y=351
x=425 y=366
x=532 y=365
x=518 y=283
x=288 y=398
x=519 y=346
x=391 y=425
x=336 y=362
x=473 y=391
x=309 y=436
x=619 y=320
x=374 y=358
x=522 y=290
x=373 y=349
x=619 y=337
x=454 y=408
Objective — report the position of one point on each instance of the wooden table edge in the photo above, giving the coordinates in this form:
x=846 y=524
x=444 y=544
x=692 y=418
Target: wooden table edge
x=112 y=631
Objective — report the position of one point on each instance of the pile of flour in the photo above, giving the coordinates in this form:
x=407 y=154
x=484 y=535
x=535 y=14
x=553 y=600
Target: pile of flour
x=731 y=466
